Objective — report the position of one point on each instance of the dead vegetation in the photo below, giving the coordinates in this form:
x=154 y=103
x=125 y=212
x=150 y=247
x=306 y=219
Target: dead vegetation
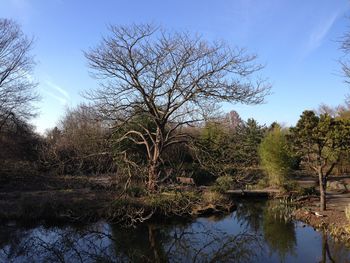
x=76 y=199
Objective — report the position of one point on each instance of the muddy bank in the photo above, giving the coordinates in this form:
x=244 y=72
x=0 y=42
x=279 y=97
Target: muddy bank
x=333 y=221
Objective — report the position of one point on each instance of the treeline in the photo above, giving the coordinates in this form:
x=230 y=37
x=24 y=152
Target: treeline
x=84 y=145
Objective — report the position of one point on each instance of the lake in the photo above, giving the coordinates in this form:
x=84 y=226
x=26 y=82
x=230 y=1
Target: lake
x=258 y=231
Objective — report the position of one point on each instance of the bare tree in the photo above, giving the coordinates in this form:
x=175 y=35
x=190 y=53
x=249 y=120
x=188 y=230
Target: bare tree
x=79 y=144
x=174 y=79
x=16 y=65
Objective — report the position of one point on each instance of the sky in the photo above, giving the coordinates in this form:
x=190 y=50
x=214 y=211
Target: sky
x=297 y=41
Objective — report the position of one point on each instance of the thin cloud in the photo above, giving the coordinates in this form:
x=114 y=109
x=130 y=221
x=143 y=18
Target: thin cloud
x=58 y=88
x=56 y=92
x=321 y=32
x=63 y=101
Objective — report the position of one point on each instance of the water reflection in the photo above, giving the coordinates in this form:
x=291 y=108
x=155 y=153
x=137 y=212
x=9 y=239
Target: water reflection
x=332 y=251
x=195 y=243
x=273 y=220
x=59 y=244
x=104 y=243
x=256 y=232
x=279 y=230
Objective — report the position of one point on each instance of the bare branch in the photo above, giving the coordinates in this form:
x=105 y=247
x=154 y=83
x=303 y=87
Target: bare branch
x=170 y=78
x=16 y=65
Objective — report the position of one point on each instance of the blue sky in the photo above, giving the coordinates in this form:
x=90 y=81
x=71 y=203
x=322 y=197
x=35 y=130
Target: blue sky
x=297 y=40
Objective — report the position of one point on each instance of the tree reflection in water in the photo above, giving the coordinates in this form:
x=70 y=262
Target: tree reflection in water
x=59 y=244
x=279 y=230
x=104 y=243
x=333 y=251
x=195 y=243
x=272 y=220
x=256 y=232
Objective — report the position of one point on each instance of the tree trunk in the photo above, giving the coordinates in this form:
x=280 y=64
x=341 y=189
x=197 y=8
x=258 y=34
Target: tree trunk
x=152 y=177
x=154 y=162
x=323 y=183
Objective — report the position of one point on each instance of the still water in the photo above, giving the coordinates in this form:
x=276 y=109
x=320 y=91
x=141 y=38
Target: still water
x=258 y=231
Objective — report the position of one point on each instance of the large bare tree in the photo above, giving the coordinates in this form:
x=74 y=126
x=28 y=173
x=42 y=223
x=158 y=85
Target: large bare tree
x=16 y=64
x=173 y=79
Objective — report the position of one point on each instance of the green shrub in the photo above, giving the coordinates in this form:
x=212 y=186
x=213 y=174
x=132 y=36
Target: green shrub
x=276 y=157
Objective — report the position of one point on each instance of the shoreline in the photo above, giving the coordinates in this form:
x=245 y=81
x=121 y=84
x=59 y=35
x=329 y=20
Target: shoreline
x=88 y=205
x=89 y=199
x=333 y=220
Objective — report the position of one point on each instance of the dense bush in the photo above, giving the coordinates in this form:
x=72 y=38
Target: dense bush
x=223 y=150
x=277 y=160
